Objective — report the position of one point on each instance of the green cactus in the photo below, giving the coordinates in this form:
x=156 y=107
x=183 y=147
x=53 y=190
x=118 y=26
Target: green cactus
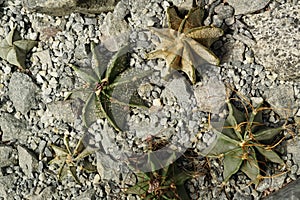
x=244 y=136
x=108 y=89
x=14 y=49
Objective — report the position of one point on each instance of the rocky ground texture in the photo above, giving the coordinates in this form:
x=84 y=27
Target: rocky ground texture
x=259 y=55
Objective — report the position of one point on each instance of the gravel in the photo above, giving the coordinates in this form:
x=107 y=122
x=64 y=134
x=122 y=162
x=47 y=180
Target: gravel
x=34 y=112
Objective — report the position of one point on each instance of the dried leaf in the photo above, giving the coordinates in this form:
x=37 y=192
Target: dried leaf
x=205 y=35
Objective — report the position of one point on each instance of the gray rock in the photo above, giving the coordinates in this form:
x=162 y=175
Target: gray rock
x=277 y=181
x=87 y=195
x=224 y=11
x=27 y=161
x=6 y=183
x=234 y=51
x=13 y=128
x=289 y=192
x=43 y=57
x=114 y=30
x=45 y=194
x=186 y=4
x=61 y=110
x=277 y=40
x=107 y=167
x=210 y=95
x=65 y=7
x=293 y=147
x=7 y=156
x=181 y=89
x=245 y=6
x=281 y=98
x=22 y=92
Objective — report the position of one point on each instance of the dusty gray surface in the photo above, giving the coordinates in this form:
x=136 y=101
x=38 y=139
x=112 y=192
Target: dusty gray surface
x=33 y=113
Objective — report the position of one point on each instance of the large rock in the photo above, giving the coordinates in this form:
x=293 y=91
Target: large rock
x=277 y=40
x=289 y=192
x=7 y=156
x=282 y=100
x=293 y=147
x=60 y=110
x=22 y=92
x=115 y=30
x=13 y=128
x=27 y=161
x=210 y=95
x=246 y=6
x=6 y=182
x=65 y=7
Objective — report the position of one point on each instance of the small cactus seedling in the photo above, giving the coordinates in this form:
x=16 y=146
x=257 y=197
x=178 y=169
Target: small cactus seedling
x=111 y=89
x=69 y=160
x=242 y=138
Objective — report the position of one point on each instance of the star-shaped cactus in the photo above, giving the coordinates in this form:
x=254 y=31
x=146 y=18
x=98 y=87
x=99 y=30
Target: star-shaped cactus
x=68 y=160
x=14 y=49
x=242 y=138
x=111 y=88
x=185 y=44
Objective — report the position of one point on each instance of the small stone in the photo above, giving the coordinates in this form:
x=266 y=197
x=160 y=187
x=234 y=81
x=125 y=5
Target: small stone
x=234 y=51
x=210 y=95
x=97 y=179
x=27 y=161
x=43 y=57
x=107 y=167
x=256 y=101
x=293 y=147
x=45 y=194
x=157 y=103
x=22 y=92
x=115 y=31
x=180 y=88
